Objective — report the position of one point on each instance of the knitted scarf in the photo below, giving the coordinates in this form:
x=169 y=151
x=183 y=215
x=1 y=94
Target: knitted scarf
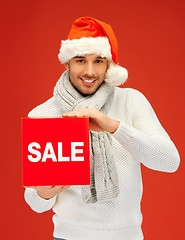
x=104 y=178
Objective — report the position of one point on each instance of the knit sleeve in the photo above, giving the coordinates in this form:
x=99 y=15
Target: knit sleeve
x=37 y=203
x=146 y=139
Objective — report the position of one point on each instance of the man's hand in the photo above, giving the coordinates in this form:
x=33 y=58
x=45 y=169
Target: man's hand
x=97 y=120
x=48 y=192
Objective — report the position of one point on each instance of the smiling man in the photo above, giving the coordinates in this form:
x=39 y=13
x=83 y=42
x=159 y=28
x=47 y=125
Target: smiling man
x=124 y=132
x=87 y=73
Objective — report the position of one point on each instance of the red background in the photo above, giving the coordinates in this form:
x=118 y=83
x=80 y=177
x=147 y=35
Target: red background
x=151 y=40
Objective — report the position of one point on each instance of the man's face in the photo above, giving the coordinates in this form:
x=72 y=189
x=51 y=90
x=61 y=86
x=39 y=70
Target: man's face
x=87 y=72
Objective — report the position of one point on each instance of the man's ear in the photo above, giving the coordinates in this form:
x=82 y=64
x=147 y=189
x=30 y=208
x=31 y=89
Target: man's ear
x=66 y=65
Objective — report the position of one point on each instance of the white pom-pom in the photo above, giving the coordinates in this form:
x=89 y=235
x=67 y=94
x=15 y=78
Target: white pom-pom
x=116 y=75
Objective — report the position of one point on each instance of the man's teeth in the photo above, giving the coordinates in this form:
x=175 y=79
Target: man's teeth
x=88 y=81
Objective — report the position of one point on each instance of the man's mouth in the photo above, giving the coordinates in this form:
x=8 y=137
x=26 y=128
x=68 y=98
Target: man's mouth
x=88 y=81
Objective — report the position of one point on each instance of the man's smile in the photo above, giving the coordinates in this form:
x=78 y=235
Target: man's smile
x=88 y=82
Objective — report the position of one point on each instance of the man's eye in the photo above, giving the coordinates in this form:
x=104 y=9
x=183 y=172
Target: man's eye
x=98 y=61
x=80 y=61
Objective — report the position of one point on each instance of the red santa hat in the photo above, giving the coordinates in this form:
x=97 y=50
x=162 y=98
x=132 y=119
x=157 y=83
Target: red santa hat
x=89 y=35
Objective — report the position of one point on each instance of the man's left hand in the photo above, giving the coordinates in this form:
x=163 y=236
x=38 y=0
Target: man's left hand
x=97 y=120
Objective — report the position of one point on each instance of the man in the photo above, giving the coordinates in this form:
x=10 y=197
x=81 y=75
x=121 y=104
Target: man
x=124 y=133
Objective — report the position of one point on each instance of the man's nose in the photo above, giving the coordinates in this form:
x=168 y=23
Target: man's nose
x=89 y=69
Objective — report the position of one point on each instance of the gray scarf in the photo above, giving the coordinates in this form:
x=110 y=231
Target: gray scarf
x=104 y=178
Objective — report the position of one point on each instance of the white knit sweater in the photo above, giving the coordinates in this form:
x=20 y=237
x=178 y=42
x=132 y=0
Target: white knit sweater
x=140 y=138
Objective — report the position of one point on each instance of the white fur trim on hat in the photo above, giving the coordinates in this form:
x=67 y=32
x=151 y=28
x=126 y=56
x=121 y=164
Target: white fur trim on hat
x=82 y=46
x=116 y=75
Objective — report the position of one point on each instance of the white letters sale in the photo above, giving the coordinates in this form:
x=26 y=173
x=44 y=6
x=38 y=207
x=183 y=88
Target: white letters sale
x=49 y=153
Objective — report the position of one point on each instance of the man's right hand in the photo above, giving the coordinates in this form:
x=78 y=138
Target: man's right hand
x=48 y=192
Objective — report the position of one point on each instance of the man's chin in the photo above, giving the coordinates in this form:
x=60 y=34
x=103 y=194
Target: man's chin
x=86 y=93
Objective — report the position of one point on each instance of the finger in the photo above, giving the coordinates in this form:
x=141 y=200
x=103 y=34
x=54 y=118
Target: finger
x=43 y=188
x=77 y=113
x=82 y=115
x=65 y=187
x=29 y=187
x=57 y=189
x=62 y=186
x=68 y=114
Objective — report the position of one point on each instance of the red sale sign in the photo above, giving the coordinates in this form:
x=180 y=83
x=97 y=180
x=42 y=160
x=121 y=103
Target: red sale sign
x=55 y=151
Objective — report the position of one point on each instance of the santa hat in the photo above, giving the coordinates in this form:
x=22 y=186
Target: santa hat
x=89 y=35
